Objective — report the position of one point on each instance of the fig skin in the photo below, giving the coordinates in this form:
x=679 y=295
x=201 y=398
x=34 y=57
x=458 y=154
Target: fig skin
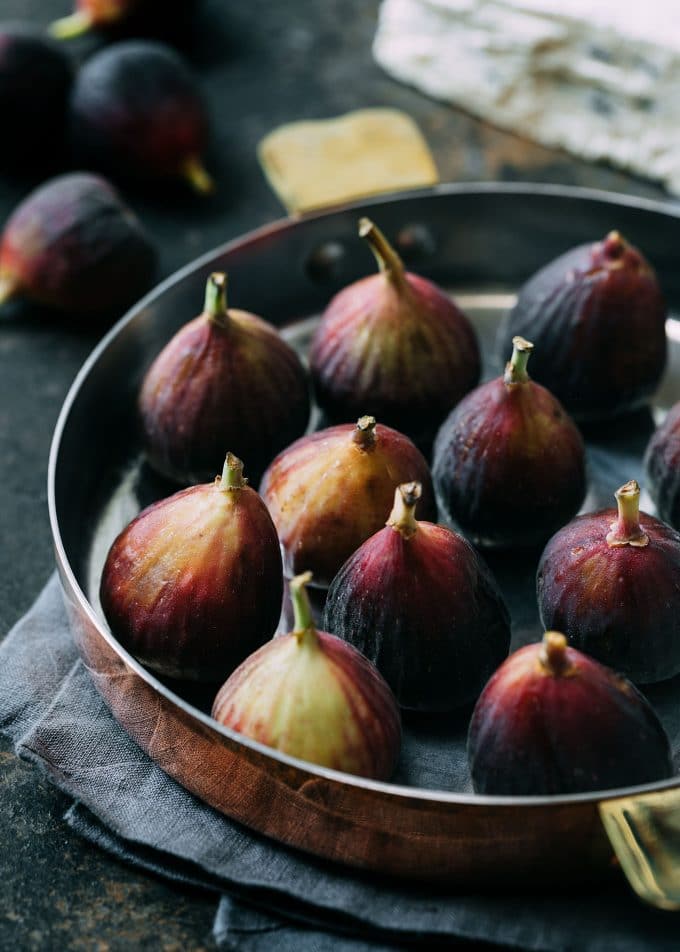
x=227 y=378
x=597 y=317
x=422 y=605
x=393 y=345
x=662 y=467
x=194 y=583
x=331 y=490
x=611 y=582
x=509 y=463
x=315 y=697
x=35 y=81
x=137 y=112
x=553 y=721
x=74 y=246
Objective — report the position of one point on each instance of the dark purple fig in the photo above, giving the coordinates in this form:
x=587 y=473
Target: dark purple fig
x=393 y=345
x=422 y=605
x=312 y=696
x=136 y=111
x=194 y=583
x=227 y=378
x=122 y=16
x=597 y=317
x=662 y=465
x=611 y=582
x=553 y=721
x=328 y=492
x=73 y=245
x=35 y=80
x=509 y=463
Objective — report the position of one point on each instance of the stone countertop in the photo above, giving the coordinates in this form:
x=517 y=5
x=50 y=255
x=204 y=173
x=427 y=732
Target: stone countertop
x=260 y=64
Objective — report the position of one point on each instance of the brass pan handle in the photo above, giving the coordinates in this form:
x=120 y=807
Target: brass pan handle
x=645 y=834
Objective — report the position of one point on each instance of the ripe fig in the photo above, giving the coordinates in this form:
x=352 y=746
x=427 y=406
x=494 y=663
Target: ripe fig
x=554 y=721
x=313 y=696
x=420 y=603
x=73 y=245
x=227 y=378
x=393 y=345
x=136 y=111
x=611 y=582
x=597 y=317
x=510 y=436
x=330 y=491
x=35 y=80
x=194 y=583
x=662 y=465
x=119 y=16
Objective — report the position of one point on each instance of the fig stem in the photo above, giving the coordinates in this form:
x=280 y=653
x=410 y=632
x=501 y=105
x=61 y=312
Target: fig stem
x=364 y=435
x=8 y=289
x=553 y=655
x=232 y=474
x=75 y=24
x=402 y=518
x=302 y=609
x=516 y=368
x=389 y=262
x=627 y=529
x=197 y=176
x=215 y=305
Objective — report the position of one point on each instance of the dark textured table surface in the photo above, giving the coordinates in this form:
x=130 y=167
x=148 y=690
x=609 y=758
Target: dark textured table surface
x=260 y=64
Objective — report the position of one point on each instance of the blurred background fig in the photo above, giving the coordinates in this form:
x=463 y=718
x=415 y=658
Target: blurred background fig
x=141 y=17
x=553 y=721
x=597 y=317
x=137 y=112
x=331 y=490
x=393 y=345
x=313 y=696
x=662 y=467
x=509 y=463
x=74 y=246
x=194 y=584
x=35 y=81
x=610 y=580
x=227 y=378
x=420 y=603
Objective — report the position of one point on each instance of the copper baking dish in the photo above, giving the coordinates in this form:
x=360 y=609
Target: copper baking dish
x=481 y=241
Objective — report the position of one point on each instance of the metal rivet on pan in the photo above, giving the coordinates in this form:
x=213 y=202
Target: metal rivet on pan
x=415 y=243
x=325 y=262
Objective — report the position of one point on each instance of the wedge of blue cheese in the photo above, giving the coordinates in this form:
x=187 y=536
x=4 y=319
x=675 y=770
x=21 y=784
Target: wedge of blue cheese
x=600 y=79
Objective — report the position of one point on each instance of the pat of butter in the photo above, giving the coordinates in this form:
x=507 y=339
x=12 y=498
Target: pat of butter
x=314 y=164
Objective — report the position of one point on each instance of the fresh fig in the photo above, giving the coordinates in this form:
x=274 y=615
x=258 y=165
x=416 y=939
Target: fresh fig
x=194 y=583
x=330 y=491
x=510 y=438
x=420 y=603
x=136 y=111
x=73 y=245
x=597 y=317
x=393 y=345
x=35 y=81
x=662 y=465
x=122 y=16
x=227 y=378
x=611 y=582
x=315 y=697
x=553 y=721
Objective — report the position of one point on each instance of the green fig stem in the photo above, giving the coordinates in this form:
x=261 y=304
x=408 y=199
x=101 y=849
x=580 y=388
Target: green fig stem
x=402 y=518
x=389 y=262
x=627 y=529
x=8 y=289
x=215 y=305
x=305 y=630
x=197 y=176
x=553 y=657
x=232 y=474
x=75 y=24
x=516 y=368
x=364 y=435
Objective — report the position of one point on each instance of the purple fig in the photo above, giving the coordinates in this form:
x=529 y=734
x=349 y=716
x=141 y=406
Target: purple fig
x=312 y=696
x=194 y=583
x=597 y=317
x=421 y=604
x=227 y=378
x=611 y=582
x=330 y=491
x=393 y=345
x=73 y=245
x=662 y=465
x=136 y=111
x=509 y=463
x=553 y=721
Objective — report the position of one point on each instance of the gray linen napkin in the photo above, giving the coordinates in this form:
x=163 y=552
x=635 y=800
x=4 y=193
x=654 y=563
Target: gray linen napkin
x=124 y=803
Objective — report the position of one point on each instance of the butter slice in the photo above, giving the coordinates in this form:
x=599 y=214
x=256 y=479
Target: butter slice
x=317 y=163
